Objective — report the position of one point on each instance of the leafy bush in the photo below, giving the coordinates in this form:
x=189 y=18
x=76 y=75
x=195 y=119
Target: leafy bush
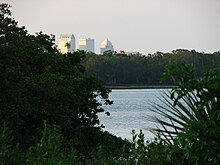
x=9 y=153
x=39 y=84
x=189 y=123
x=49 y=149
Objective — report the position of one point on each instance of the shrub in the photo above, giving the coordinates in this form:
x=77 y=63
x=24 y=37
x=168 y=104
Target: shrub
x=190 y=122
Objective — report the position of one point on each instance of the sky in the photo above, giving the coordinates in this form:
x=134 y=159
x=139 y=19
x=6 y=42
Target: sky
x=144 y=26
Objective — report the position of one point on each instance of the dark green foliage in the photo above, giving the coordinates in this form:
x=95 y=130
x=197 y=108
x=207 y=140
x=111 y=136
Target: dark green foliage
x=9 y=153
x=52 y=148
x=138 y=149
x=189 y=119
x=146 y=70
x=117 y=70
x=38 y=85
x=49 y=150
x=151 y=152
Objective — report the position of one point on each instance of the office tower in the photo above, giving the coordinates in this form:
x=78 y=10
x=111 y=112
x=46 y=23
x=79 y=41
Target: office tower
x=106 y=46
x=66 y=43
x=86 y=45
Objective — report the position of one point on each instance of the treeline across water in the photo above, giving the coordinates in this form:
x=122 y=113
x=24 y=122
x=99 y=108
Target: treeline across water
x=124 y=69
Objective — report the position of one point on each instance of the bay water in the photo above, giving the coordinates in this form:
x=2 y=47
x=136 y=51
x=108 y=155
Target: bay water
x=131 y=110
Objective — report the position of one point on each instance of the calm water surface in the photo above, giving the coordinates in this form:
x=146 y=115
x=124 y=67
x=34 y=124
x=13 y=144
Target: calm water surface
x=130 y=110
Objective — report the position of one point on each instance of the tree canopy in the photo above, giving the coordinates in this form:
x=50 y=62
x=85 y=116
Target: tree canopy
x=39 y=84
x=146 y=70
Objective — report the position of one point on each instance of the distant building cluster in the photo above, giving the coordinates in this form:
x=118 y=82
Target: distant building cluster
x=67 y=43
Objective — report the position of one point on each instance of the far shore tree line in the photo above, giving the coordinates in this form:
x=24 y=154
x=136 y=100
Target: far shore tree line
x=135 y=69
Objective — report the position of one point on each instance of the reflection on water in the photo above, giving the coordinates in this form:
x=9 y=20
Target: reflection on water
x=130 y=110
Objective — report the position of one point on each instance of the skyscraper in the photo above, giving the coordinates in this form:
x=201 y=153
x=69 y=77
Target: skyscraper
x=66 y=43
x=87 y=45
x=106 y=46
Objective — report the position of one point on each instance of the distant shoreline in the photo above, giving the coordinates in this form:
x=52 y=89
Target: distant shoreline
x=138 y=87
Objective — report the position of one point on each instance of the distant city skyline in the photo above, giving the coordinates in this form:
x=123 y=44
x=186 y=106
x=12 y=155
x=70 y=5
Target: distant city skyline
x=144 y=26
x=67 y=43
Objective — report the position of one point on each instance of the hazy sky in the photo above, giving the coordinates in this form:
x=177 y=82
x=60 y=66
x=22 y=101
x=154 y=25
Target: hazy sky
x=146 y=26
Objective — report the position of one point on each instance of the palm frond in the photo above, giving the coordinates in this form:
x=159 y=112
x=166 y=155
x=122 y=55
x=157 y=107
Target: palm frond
x=171 y=118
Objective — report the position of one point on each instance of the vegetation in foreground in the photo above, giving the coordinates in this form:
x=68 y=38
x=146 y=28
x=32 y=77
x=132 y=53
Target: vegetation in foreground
x=49 y=110
x=189 y=122
x=39 y=85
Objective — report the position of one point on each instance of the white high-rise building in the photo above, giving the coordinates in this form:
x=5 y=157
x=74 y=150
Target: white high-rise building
x=66 y=43
x=106 y=45
x=87 y=45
